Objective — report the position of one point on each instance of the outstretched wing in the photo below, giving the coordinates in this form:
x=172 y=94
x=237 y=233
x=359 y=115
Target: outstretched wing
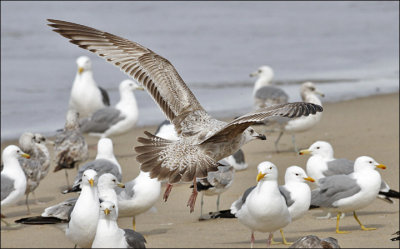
x=237 y=126
x=154 y=72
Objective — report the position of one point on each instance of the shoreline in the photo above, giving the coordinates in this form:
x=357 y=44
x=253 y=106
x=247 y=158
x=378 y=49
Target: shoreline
x=362 y=126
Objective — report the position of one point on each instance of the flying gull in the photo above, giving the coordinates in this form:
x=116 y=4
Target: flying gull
x=13 y=181
x=203 y=140
x=109 y=121
x=349 y=193
x=70 y=147
x=262 y=208
x=322 y=163
x=109 y=235
x=263 y=93
x=86 y=97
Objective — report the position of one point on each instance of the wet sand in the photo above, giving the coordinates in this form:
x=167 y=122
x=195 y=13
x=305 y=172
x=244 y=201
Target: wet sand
x=365 y=126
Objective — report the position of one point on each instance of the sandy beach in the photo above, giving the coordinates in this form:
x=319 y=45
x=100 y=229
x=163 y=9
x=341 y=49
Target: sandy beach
x=365 y=126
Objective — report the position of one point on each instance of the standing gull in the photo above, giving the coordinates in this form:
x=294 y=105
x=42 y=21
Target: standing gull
x=109 y=235
x=109 y=121
x=86 y=97
x=348 y=193
x=13 y=181
x=203 y=140
x=263 y=93
x=322 y=163
x=43 y=154
x=262 y=208
x=70 y=147
x=216 y=183
x=308 y=94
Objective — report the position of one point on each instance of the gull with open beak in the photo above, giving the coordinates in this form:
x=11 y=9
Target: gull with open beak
x=348 y=193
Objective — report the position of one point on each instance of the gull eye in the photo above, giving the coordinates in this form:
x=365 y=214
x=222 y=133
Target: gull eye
x=259 y=70
x=113 y=206
x=113 y=180
x=370 y=161
x=297 y=174
x=17 y=151
x=270 y=167
x=318 y=148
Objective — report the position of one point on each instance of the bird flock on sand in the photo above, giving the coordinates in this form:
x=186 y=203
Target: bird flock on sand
x=190 y=146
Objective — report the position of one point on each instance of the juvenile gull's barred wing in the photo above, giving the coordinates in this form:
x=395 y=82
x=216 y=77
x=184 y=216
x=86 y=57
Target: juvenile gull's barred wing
x=290 y=110
x=154 y=72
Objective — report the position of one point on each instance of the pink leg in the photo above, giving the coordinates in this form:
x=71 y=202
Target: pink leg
x=167 y=191
x=252 y=239
x=269 y=240
x=192 y=199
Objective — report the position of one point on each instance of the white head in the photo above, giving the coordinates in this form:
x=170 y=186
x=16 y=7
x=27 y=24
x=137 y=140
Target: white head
x=320 y=148
x=296 y=174
x=108 y=210
x=250 y=134
x=72 y=118
x=366 y=163
x=89 y=178
x=13 y=151
x=129 y=86
x=105 y=148
x=26 y=141
x=267 y=171
x=84 y=64
x=265 y=72
x=309 y=88
x=109 y=181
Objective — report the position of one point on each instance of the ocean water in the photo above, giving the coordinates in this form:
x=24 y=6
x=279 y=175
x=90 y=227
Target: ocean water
x=348 y=49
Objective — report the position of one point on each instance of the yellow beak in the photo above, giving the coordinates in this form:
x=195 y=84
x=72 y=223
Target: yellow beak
x=304 y=152
x=107 y=211
x=260 y=176
x=140 y=88
x=381 y=166
x=91 y=181
x=25 y=155
x=121 y=185
x=310 y=179
x=80 y=70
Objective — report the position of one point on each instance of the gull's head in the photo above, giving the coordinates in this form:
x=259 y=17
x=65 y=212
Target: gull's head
x=309 y=88
x=129 y=86
x=13 y=151
x=296 y=174
x=89 y=178
x=26 y=141
x=366 y=163
x=263 y=71
x=108 y=210
x=250 y=134
x=105 y=148
x=72 y=119
x=267 y=171
x=320 y=148
x=40 y=139
x=84 y=64
x=109 y=181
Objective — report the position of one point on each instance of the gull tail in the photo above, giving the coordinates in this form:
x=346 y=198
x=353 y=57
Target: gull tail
x=40 y=220
x=386 y=195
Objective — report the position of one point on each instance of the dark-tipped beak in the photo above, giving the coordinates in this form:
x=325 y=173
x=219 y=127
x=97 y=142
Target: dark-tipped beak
x=262 y=137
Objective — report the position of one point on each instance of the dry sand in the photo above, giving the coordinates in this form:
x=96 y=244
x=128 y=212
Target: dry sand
x=366 y=126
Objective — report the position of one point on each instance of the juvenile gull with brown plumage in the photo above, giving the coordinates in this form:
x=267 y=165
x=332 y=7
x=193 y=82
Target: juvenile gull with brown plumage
x=203 y=140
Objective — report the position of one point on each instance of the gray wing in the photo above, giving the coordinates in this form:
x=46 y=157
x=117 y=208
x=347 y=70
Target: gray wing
x=70 y=148
x=239 y=203
x=239 y=156
x=134 y=239
x=101 y=166
x=127 y=192
x=286 y=194
x=62 y=210
x=221 y=178
x=339 y=166
x=238 y=125
x=7 y=186
x=101 y=120
x=271 y=95
x=333 y=188
x=105 y=97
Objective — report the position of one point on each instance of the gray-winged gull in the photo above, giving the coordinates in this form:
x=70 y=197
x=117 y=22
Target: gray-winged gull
x=322 y=163
x=348 y=193
x=308 y=94
x=105 y=162
x=203 y=140
x=121 y=118
x=262 y=208
x=86 y=96
x=263 y=93
x=70 y=147
x=13 y=180
x=216 y=183
x=109 y=235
